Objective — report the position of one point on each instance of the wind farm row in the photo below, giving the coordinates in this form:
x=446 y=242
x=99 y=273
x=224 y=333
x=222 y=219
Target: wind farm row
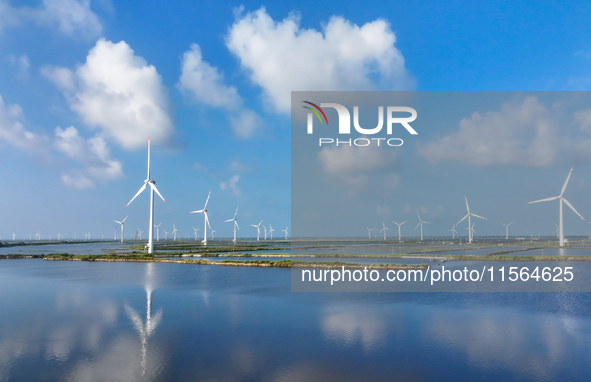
x=559 y=228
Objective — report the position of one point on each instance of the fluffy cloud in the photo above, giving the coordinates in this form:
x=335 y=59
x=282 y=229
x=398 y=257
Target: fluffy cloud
x=70 y=17
x=204 y=84
x=13 y=131
x=92 y=154
x=522 y=134
x=118 y=93
x=231 y=185
x=21 y=63
x=280 y=57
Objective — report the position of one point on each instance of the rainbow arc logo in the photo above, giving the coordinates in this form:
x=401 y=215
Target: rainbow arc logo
x=315 y=112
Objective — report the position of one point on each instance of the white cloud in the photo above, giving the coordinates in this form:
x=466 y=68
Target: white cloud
x=583 y=118
x=519 y=134
x=61 y=77
x=92 y=154
x=204 y=82
x=120 y=94
x=232 y=185
x=70 y=17
x=13 y=131
x=205 y=85
x=280 y=57
x=21 y=63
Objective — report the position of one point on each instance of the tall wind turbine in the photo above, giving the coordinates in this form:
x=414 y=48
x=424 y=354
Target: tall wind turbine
x=157 y=231
x=560 y=200
x=421 y=222
x=285 y=230
x=258 y=227
x=453 y=232
x=235 y=224
x=507 y=230
x=205 y=218
x=398 y=227
x=152 y=183
x=469 y=224
x=271 y=231
x=122 y=222
x=384 y=229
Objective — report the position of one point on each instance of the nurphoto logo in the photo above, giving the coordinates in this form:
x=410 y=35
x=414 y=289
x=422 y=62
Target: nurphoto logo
x=393 y=117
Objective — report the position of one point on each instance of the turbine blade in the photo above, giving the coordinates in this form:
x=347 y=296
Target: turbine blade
x=237 y=226
x=117 y=221
x=467 y=207
x=196 y=212
x=148 y=158
x=476 y=216
x=139 y=192
x=418 y=225
x=155 y=189
x=229 y=220
x=403 y=222
x=572 y=208
x=544 y=200
x=208 y=195
x=207 y=219
x=235 y=213
x=426 y=223
x=462 y=219
x=565 y=183
x=125 y=219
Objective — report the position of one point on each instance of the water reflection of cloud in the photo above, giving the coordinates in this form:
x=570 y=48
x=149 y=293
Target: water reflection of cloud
x=349 y=326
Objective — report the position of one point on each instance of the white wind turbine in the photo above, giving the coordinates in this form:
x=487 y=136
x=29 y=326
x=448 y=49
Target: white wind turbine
x=265 y=232
x=258 y=227
x=453 y=232
x=205 y=218
x=507 y=230
x=152 y=183
x=557 y=236
x=472 y=230
x=196 y=236
x=157 y=231
x=165 y=235
x=212 y=232
x=384 y=229
x=560 y=200
x=271 y=231
x=122 y=223
x=174 y=231
x=421 y=222
x=398 y=227
x=285 y=230
x=369 y=232
x=468 y=215
x=235 y=224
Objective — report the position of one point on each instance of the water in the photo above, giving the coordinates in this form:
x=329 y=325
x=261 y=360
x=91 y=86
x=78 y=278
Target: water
x=97 y=248
x=82 y=321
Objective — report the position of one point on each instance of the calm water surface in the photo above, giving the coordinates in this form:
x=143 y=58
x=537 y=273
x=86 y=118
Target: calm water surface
x=79 y=321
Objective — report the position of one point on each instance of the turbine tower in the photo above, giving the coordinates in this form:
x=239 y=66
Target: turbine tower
x=560 y=200
x=507 y=230
x=152 y=183
x=398 y=227
x=469 y=224
x=235 y=224
x=421 y=224
x=285 y=230
x=258 y=227
x=384 y=229
x=122 y=222
x=265 y=232
x=205 y=218
x=271 y=231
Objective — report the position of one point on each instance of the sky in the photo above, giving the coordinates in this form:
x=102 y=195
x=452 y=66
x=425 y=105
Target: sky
x=85 y=83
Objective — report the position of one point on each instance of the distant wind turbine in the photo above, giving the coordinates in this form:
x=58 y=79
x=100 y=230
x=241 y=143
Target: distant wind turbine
x=122 y=223
x=265 y=232
x=560 y=200
x=165 y=235
x=453 y=232
x=235 y=224
x=421 y=222
x=196 y=236
x=205 y=218
x=398 y=227
x=258 y=227
x=468 y=215
x=384 y=229
x=157 y=231
x=152 y=183
x=285 y=230
x=507 y=230
x=174 y=231
x=271 y=231
x=369 y=232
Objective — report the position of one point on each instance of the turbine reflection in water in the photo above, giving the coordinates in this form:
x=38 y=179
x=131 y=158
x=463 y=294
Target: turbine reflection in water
x=145 y=330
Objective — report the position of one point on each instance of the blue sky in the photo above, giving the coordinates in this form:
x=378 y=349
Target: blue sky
x=108 y=74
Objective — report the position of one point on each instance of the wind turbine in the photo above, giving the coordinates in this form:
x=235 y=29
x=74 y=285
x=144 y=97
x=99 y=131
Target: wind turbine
x=174 y=231
x=158 y=231
x=258 y=227
x=398 y=227
x=235 y=224
x=507 y=230
x=285 y=230
x=152 y=183
x=265 y=232
x=421 y=224
x=122 y=222
x=384 y=229
x=205 y=218
x=557 y=236
x=469 y=224
x=165 y=235
x=271 y=231
x=196 y=236
x=375 y=232
x=561 y=199
x=369 y=232
x=453 y=232
x=212 y=232
x=472 y=230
